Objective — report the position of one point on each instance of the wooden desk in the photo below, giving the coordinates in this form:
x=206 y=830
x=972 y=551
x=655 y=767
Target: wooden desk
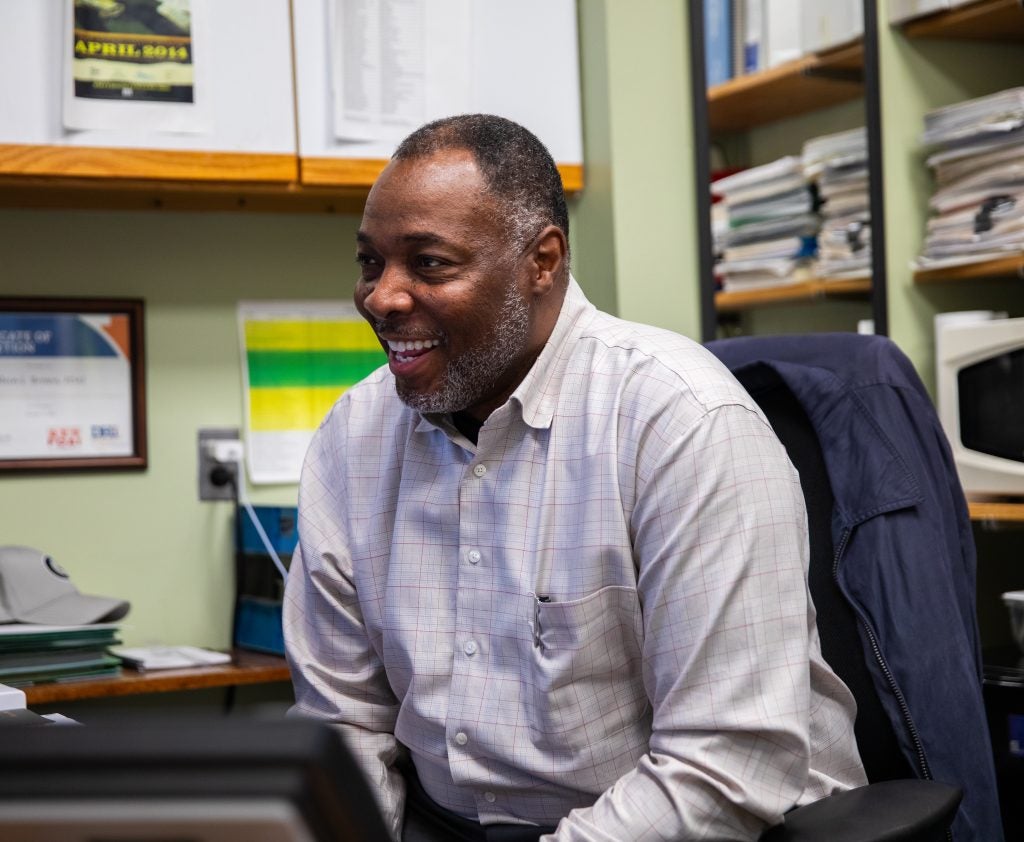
x=245 y=668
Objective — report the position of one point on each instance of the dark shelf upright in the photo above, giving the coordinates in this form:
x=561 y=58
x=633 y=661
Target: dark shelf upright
x=702 y=172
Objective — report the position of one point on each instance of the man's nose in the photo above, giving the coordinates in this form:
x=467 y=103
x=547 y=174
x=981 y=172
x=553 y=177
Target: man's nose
x=390 y=294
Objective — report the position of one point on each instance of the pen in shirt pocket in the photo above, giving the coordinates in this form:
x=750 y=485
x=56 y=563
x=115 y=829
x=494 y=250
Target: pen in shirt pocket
x=538 y=599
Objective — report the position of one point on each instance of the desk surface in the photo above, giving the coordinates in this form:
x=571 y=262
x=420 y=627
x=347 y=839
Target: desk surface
x=245 y=668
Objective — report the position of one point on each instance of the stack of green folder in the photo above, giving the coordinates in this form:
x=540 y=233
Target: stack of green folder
x=31 y=654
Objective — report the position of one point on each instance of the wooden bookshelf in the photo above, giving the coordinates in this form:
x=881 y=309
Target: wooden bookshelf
x=812 y=290
x=985 y=20
x=1003 y=267
x=795 y=87
x=997 y=511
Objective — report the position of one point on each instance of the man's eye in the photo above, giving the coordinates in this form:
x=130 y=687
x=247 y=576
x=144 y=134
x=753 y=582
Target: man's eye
x=425 y=261
x=366 y=260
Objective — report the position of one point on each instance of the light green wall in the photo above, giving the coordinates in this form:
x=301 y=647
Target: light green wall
x=636 y=235
x=143 y=535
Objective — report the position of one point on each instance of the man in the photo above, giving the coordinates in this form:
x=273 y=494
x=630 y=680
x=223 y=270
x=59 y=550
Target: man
x=552 y=564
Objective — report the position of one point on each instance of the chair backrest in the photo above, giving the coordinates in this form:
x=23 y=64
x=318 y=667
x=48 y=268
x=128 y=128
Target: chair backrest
x=895 y=596
x=837 y=624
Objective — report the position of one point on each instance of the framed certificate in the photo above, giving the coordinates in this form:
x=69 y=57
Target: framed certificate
x=72 y=384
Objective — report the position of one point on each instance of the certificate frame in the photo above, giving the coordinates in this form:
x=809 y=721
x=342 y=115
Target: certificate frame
x=70 y=447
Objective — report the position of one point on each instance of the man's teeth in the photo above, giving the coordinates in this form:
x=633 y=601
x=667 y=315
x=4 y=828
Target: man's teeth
x=416 y=345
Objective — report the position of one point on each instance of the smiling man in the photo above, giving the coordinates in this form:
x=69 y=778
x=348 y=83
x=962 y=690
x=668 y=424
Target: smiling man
x=551 y=569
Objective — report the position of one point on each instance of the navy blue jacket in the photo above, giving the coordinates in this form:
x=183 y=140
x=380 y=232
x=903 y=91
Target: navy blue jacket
x=906 y=559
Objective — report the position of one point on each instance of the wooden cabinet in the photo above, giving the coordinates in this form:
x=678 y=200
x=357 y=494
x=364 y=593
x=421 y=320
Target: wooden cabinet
x=263 y=78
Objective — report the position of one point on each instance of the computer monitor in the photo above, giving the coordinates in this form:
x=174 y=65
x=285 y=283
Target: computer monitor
x=209 y=780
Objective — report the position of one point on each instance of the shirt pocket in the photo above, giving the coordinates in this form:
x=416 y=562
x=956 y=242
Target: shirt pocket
x=586 y=668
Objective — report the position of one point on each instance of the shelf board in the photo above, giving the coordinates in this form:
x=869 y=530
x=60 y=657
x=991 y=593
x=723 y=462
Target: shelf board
x=812 y=290
x=985 y=20
x=144 y=179
x=155 y=164
x=151 y=194
x=362 y=172
x=795 y=87
x=996 y=511
x=1002 y=267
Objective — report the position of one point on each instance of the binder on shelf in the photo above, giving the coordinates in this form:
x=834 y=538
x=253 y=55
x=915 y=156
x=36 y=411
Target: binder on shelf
x=781 y=41
x=737 y=34
x=259 y=586
x=718 y=41
x=753 y=35
x=829 y=23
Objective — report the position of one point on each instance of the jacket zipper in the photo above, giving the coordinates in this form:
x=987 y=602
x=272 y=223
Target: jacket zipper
x=880 y=660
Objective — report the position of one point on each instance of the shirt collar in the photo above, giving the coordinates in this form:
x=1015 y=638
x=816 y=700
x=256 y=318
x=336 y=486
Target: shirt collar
x=536 y=395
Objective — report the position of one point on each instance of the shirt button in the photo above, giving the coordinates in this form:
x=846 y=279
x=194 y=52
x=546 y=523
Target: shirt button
x=470 y=647
x=461 y=738
x=490 y=797
x=480 y=470
x=474 y=556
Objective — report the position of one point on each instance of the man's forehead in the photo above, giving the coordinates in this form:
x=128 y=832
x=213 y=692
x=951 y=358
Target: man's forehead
x=422 y=197
x=445 y=169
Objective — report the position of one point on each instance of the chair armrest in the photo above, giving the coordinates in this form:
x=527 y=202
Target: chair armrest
x=888 y=811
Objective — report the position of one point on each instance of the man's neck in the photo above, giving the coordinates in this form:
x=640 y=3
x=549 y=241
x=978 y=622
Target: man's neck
x=467 y=425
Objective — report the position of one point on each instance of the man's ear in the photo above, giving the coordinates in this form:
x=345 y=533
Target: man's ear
x=547 y=259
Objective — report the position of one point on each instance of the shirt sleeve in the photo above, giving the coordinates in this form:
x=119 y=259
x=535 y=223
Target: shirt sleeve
x=721 y=548
x=336 y=672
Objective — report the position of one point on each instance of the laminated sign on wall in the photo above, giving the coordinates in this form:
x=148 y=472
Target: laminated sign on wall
x=298 y=357
x=131 y=63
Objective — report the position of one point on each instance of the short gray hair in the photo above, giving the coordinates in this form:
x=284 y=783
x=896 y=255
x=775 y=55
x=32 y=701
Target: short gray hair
x=516 y=167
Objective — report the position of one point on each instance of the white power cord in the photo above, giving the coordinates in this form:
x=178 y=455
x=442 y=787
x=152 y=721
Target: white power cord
x=243 y=500
x=232 y=452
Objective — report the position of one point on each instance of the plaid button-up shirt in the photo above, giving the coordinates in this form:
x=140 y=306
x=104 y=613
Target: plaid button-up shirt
x=598 y=614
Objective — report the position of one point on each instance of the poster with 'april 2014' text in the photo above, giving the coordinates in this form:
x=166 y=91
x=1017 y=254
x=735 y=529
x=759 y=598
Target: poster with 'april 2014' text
x=132 y=66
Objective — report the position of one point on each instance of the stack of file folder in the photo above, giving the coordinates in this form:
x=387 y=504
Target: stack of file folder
x=838 y=165
x=977 y=209
x=773 y=226
x=32 y=654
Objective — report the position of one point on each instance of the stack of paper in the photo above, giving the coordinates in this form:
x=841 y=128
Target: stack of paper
x=838 y=165
x=771 y=238
x=978 y=204
x=145 y=658
x=33 y=654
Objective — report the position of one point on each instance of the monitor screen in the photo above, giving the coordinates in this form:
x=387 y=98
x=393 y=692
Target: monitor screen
x=186 y=780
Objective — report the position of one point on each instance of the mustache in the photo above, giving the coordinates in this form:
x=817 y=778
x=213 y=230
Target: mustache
x=400 y=331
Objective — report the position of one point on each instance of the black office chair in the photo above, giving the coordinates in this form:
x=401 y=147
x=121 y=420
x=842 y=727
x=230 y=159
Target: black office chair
x=898 y=804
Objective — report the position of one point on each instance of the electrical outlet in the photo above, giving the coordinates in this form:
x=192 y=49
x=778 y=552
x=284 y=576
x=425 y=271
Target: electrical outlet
x=219 y=452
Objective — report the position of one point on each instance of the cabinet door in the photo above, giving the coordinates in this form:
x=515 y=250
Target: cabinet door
x=368 y=73
x=243 y=94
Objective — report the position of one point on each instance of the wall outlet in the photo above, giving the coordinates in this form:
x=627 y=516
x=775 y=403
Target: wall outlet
x=220 y=450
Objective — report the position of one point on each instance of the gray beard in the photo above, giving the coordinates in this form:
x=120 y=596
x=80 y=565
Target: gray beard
x=467 y=380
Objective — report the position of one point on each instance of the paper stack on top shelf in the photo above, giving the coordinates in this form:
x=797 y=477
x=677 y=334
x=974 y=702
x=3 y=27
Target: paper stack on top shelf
x=36 y=654
x=838 y=165
x=771 y=239
x=978 y=163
